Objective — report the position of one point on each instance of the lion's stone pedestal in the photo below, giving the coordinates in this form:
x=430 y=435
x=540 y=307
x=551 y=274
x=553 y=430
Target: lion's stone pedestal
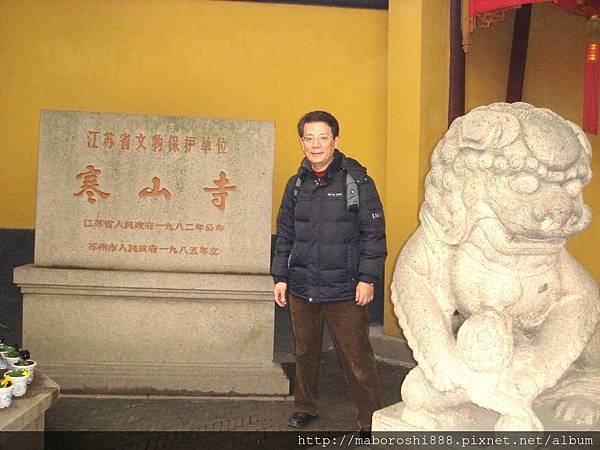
x=119 y=332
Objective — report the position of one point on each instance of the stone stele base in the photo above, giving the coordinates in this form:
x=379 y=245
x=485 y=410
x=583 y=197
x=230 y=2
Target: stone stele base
x=151 y=333
x=389 y=419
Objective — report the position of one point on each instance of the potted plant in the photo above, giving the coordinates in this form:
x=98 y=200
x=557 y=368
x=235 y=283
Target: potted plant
x=11 y=356
x=4 y=349
x=6 y=392
x=25 y=363
x=19 y=379
x=3 y=345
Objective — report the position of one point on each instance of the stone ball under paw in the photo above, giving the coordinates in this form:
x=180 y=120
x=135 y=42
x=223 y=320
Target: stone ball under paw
x=485 y=341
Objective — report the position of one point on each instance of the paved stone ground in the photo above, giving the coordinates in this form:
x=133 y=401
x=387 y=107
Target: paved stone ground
x=337 y=413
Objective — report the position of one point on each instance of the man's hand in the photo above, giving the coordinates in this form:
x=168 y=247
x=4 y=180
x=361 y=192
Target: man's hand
x=364 y=293
x=279 y=293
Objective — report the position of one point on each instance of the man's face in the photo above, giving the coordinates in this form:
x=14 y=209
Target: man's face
x=318 y=144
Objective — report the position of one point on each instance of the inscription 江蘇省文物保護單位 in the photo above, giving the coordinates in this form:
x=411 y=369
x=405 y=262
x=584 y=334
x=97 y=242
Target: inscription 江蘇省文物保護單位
x=154 y=182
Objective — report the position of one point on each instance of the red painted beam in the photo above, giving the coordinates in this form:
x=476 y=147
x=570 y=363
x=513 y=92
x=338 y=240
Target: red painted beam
x=480 y=6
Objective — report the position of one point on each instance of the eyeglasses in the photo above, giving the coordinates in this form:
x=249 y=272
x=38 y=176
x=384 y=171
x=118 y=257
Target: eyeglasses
x=309 y=139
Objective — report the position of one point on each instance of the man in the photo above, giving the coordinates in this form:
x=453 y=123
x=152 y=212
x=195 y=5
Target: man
x=330 y=251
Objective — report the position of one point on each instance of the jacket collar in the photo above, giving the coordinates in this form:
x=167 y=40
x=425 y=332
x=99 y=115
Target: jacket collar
x=335 y=166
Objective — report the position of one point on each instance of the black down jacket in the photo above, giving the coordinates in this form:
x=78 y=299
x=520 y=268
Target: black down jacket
x=322 y=249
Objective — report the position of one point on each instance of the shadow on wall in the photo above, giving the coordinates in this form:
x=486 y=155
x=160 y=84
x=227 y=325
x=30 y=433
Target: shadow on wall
x=16 y=249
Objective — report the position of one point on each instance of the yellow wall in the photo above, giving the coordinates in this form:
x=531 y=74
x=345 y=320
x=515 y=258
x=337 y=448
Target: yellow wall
x=188 y=57
x=384 y=74
x=435 y=61
x=487 y=64
x=553 y=79
x=418 y=53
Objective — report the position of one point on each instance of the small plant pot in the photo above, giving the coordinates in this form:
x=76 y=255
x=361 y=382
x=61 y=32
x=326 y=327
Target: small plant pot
x=10 y=361
x=3 y=352
x=30 y=368
x=6 y=395
x=19 y=384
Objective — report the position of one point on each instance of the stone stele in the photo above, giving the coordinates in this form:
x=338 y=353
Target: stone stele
x=152 y=256
x=118 y=191
x=502 y=321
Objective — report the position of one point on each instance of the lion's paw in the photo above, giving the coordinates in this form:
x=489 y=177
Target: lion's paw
x=420 y=419
x=455 y=416
x=578 y=409
x=438 y=420
x=528 y=422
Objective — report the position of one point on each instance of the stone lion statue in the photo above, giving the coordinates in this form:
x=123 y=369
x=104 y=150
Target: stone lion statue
x=496 y=311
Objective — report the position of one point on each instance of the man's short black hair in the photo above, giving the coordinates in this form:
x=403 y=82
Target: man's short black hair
x=319 y=116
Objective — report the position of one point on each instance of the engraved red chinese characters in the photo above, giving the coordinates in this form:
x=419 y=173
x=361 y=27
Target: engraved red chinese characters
x=89 y=184
x=220 y=193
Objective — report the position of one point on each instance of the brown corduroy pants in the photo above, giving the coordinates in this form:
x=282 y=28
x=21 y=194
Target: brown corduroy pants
x=349 y=327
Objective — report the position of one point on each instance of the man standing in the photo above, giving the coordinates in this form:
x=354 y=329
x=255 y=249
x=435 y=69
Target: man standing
x=330 y=251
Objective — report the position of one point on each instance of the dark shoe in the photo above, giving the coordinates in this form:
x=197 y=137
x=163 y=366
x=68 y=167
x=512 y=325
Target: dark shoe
x=301 y=419
x=365 y=433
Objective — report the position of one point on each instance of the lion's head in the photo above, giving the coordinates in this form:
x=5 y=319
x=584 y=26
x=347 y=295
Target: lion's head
x=523 y=165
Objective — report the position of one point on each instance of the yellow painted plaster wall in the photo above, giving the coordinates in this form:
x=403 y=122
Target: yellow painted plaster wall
x=554 y=79
x=418 y=53
x=188 y=57
x=435 y=61
x=487 y=64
